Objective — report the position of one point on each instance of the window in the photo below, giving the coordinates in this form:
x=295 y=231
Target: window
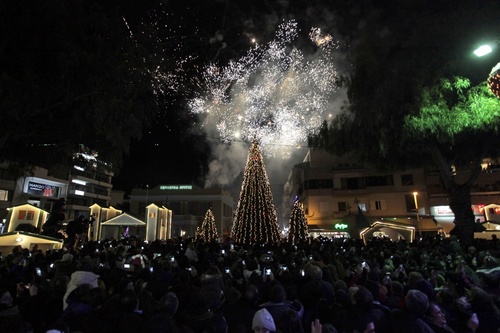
x=342 y=206
x=26 y=215
x=379 y=180
x=407 y=179
x=378 y=205
x=320 y=183
x=351 y=183
x=4 y=195
x=410 y=203
x=152 y=215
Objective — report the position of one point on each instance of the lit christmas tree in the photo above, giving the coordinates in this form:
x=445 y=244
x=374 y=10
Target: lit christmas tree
x=297 y=225
x=255 y=218
x=208 y=230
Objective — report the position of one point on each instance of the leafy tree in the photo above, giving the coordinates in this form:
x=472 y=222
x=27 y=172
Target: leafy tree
x=406 y=105
x=456 y=125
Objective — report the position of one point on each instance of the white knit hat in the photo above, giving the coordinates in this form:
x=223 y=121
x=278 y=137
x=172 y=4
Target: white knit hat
x=263 y=318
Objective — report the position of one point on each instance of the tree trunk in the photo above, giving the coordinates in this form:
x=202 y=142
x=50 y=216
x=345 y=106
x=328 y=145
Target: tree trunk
x=461 y=205
x=459 y=195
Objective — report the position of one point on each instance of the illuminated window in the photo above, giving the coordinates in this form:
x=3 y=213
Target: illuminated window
x=26 y=215
x=152 y=215
x=410 y=203
x=4 y=195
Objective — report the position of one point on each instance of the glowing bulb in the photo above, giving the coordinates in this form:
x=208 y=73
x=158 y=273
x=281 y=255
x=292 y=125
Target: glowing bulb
x=483 y=50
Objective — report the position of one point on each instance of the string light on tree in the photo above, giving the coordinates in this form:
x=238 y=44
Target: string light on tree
x=255 y=218
x=208 y=229
x=494 y=80
x=297 y=225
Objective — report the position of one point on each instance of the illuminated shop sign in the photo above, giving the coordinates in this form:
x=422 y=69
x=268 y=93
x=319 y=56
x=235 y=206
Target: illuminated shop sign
x=43 y=190
x=176 y=187
x=341 y=226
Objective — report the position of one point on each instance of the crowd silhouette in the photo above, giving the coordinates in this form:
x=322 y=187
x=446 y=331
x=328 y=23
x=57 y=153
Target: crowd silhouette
x=191 y=286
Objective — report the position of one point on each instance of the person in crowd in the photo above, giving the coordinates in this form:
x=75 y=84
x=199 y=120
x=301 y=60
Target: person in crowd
x=263 y=322
x=81 y=303
x=229 y=301
x=10 y=318
x=199 y=318
x=278 y=304
x=64 y=266
x=239 y=314
x=358 y=322
x=317 y=295
x=436 y=319
x=289 y=322
x=482 y=304
x=191 y=253
x=83 y=276
x=411 y=317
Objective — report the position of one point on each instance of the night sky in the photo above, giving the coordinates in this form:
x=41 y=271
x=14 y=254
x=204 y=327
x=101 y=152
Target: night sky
x=199 y=79
x=179 y=147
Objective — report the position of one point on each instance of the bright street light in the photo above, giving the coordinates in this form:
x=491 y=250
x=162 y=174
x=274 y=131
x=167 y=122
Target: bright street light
x=416 y=210
x=483 y=50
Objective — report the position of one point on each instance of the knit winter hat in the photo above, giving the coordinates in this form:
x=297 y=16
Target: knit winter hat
x=263 y=318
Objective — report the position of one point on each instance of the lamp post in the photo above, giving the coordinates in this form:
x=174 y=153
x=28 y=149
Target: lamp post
x=416 y=210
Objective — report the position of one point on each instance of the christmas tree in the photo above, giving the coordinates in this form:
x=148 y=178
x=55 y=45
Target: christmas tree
x=255 y=218
x=208 y=230
x=297 y=225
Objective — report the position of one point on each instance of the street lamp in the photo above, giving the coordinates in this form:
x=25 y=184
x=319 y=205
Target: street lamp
x=416 y=210
x=485 y=49
x=494 y=77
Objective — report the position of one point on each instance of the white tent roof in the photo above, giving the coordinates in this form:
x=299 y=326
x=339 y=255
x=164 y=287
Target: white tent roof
x=125 y=220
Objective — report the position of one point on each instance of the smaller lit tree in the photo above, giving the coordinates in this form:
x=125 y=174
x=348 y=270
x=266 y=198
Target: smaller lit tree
x=208 y=229
x=297 y=225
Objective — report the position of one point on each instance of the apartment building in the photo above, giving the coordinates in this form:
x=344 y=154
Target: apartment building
x=81 y=188
x=334 y=190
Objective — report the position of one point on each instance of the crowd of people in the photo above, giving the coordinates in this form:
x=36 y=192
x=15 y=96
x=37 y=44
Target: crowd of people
x=321 y=285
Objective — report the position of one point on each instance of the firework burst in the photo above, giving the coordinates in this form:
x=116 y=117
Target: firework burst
x=273 y=94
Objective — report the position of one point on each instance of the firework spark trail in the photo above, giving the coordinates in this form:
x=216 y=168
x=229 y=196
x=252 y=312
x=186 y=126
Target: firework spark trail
x=272 y=93
x=163 y=63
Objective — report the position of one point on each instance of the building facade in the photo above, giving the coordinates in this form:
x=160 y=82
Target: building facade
x=82 y=188
x=188 y=204
x=334 y=189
